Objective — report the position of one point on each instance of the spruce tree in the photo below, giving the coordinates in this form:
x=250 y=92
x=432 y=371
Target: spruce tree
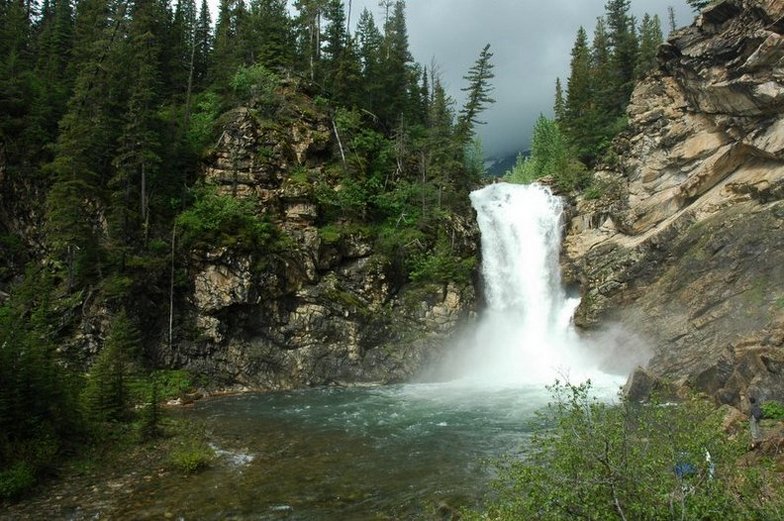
x=309 y=36
x=478 y=93
x=225 y=56
x=370 y=40
x=650 y=40
x=622 y=38
x=559 y=105
x=82 y=155
x=107 y=394
x=698 y=5
x=579 y=110
x=395 y=67
x=137 y=158
x=203 y=46
x=271 y=34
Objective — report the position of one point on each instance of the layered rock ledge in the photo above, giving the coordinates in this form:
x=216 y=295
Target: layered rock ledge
x=685 y=245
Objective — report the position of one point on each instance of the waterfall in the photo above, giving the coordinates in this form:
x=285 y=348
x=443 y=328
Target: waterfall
x=524 y=335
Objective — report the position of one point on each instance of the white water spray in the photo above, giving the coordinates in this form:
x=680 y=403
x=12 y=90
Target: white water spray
x=525 y=336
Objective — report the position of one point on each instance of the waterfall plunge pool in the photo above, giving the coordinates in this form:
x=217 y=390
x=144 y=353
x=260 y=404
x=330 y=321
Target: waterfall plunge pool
x=387 y=452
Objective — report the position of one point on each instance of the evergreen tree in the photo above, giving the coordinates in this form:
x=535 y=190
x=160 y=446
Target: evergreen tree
x=106 y=395
x=203 y=46
x=477 y=92
x=559 y=105
x=624 y=48
x=396 y=75
x=309 y=35
x=53 y=79
x=137 y=155
x=671 y=18
x=346 y=80
x=82 y=161
x=698 y=5
x=39 y=414
x=271 y=34
x=370 y=41
x=226 y=55
x=182 y=54
x=17 y=85
x=580 y=99
x=335 y=36
x=650 y=40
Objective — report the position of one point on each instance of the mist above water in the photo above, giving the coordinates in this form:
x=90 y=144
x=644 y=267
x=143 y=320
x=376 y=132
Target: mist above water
x=525 y=334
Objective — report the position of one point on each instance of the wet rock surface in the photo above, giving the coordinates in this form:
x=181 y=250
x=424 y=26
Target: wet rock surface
x=686 y=242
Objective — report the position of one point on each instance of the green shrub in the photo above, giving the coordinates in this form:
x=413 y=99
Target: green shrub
x=201 y=130
x=631 y=461
x=773 y=410
x=192 y=456
x=330 y=234
x=551 y=157
x=255 y=84
x=16 y=480
x=441 y=265
x=172 y=383
x=222 y=220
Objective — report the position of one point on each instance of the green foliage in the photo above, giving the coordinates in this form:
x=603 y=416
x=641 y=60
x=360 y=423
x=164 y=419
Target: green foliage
x=330 y=234
x=16 y=480
x=201 y=130
x=477 y=94
x=698 y=5
x=172 y=383
x=222 y=220
x=550 y=157
x=773 y=410
x=192 y=455
x=150 y=427
x=255 y=84
x=107 y=395
x=442 y=265
x=631 y=461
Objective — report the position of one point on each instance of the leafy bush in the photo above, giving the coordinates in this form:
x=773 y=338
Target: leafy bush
x=441 y=265
x=192 y=456
x=201 y=130
x=222 y=220
x=773 y=410
x=255 y=84
x=550 y=157
x=172 y=383
x=630 y=461
x=16 y=480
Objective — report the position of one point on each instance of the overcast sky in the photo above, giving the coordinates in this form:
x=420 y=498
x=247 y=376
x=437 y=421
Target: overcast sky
x=531 y=42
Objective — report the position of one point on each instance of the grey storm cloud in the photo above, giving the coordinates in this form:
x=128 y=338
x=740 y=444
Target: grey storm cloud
x=531 y=44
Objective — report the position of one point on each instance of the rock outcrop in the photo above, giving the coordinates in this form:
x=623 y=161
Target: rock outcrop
x=686 y=242
x=326 y=307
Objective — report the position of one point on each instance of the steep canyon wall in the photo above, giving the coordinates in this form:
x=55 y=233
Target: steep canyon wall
x=685 y=244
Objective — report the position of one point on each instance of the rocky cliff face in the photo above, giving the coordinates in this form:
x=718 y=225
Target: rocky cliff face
x=686 y=242
x=326 y=308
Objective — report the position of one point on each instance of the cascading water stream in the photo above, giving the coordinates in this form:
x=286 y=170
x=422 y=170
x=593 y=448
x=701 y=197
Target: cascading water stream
x=524 y=336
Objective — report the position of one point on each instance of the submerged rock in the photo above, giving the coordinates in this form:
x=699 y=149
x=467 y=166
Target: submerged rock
x=686 y=242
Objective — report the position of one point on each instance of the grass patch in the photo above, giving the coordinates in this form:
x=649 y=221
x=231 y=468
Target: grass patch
x=15 y=481
x=192 y=455
x=773 y=410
